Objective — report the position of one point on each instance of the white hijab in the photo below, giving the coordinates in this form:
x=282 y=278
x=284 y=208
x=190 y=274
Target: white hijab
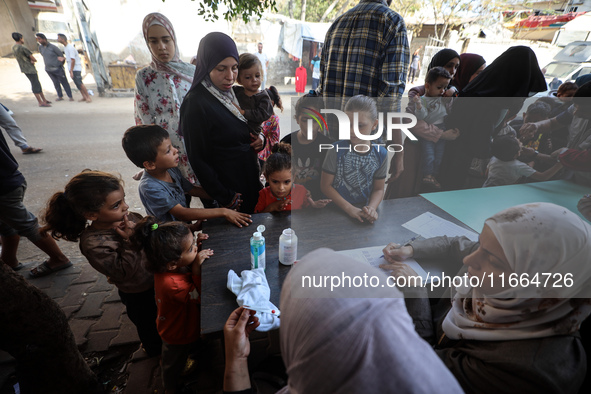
x=536 y=238
x=331 y=343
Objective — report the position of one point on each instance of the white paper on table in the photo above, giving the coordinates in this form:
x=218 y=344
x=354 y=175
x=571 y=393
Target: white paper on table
x=429 y=225
x=374 y=257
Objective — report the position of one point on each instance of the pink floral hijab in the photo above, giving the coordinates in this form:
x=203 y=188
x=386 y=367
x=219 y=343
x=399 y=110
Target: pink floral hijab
x=176 y=66
x=536 y=238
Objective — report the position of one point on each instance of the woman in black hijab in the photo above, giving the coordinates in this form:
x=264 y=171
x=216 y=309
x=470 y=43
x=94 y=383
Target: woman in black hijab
x=450 y=60
x=409 y=183
x=481 y=107
x=221 y=150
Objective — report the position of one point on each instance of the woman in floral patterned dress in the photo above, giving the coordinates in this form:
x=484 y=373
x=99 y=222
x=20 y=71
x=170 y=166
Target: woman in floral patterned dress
x=161 y=87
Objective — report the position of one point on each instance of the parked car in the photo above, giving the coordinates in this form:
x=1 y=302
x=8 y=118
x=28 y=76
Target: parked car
x=570 y=63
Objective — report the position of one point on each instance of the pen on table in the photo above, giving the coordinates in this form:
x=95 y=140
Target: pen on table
x=407 y=242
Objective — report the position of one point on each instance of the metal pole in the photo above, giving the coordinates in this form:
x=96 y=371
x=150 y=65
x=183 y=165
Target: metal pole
x=91 y=46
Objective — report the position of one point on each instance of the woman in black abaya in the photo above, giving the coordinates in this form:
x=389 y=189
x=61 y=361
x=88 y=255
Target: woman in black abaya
x=221 y=150
x=481 y=107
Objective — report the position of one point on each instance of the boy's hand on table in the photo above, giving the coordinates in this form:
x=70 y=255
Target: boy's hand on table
x=369 y=214
x=356 y=213
x=237 y=218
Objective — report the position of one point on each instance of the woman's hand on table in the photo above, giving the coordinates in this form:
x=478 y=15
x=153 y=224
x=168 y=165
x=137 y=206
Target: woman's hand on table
x=395 y=253
x=258 y=141
x=398 y=270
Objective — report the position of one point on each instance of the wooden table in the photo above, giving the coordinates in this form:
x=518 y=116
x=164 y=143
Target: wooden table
x=315 y=228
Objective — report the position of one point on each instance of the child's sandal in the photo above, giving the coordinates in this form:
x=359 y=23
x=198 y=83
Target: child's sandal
x=430 y=180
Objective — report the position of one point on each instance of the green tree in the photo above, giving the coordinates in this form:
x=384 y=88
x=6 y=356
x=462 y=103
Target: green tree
x=448 y=12
x=235 y=8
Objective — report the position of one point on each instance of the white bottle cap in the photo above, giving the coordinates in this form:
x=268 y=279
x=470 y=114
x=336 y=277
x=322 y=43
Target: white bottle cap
x=288 y=232
x=261 y=228
x=257 y=236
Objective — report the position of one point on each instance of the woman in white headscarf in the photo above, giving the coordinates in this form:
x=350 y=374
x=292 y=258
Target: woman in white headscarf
x=345 y=340
x=497 y=338
x=161 y=87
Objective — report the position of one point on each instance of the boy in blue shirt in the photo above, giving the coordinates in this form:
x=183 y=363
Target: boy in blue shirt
x=162 y=187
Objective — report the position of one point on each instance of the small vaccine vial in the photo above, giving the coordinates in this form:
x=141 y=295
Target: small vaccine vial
x=288 y=247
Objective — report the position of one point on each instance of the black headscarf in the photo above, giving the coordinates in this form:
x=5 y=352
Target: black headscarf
x=213 y=48
x=515 y=73
x=469 y=64
x=442 y=57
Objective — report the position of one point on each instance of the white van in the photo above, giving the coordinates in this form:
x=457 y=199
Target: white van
x=570 y=63
x=53 y=23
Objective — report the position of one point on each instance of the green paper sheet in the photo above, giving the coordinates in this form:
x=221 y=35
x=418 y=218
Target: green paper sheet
x=474 y=206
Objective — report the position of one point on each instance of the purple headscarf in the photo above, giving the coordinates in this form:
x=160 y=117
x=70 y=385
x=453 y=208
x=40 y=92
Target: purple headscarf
x=213 y=48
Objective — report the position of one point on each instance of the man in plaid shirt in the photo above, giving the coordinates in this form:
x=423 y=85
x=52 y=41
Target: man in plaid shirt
x=366 y=52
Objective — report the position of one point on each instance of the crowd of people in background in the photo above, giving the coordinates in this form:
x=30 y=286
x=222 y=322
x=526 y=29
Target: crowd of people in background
x=207 y=129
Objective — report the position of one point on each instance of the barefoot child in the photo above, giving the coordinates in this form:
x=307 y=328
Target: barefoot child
x=282 y=194
x=99 y=197
x=162 y=187
x=354 y=172
x=174 y=259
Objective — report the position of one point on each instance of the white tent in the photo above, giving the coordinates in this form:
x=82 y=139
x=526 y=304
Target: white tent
x=293 y=34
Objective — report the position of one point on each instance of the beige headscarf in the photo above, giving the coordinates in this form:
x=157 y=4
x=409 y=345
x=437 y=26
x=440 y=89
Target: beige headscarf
x=536 y=238
x=331 y=343
x=176 y=65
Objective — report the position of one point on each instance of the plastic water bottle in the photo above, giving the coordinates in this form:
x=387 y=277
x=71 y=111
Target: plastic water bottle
x=257 y=249
x=288 y=247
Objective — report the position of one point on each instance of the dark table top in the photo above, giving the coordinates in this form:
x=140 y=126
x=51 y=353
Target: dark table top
x=315 y=228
